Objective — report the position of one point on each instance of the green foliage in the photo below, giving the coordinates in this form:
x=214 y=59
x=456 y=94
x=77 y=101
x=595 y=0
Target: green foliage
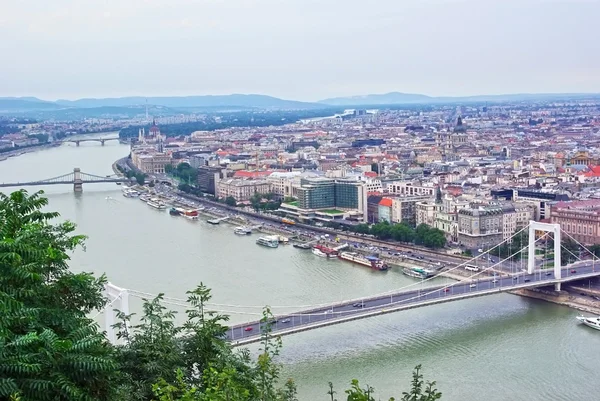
x=49 y=348
x=510 y=250
x=264 y=201
x=230 y=201
x=419 y=391
x=140 y=177
x=429 y=237
x=422 y=235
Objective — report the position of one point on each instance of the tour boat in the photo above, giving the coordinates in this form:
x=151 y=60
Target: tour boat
x=283 y=240
x=242 y=231
x=268 y=241
x=318 y=252
x=593 y=322
x=156 y=203
x=145 y=197
x=191 y=214
x=130 y=193
x=324 y=252
x=369 y=261
x=417 y=272
x=174 y=212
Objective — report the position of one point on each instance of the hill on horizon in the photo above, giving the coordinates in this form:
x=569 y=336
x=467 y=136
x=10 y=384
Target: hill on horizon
x=250 y=101
x=412 y=98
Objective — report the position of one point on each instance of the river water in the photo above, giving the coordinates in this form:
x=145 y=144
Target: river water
x=500 y=347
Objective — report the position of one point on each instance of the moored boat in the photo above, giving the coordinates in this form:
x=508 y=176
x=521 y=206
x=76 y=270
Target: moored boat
x=242 y=230
x=156 y=203
x=369 y=261
x=268 y=241
x=593 y=322
x=325 y=252
x=191 y=214
x=174 y=212
x=417 y=272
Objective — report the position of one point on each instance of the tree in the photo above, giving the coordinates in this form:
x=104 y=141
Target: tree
x=595 y=250
x=49 y=348
x=421 y=391
x=230 y=201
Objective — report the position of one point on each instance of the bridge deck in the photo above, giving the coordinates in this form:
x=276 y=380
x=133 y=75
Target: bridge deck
x=359 y=309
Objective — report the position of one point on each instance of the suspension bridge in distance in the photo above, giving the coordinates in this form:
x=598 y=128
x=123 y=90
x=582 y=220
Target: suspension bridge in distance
x=101 y=140
x=77 y=178
x=477 y=285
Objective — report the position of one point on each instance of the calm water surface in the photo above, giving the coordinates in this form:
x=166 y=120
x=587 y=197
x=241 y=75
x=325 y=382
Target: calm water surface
x=494 y=348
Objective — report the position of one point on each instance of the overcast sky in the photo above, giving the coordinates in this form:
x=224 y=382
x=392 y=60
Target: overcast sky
x=297 y=49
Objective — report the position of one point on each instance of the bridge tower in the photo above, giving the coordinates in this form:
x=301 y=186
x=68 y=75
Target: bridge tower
x=77 y=181
x=545 y=227
x=77 y=143
x=116 y=294
x=102 y=141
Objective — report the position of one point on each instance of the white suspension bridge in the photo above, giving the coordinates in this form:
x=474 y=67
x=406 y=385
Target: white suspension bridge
x=484 y=282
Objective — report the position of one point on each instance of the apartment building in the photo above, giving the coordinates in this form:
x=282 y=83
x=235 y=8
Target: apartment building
x=241 y=189
x=480 y=226
x=407 y=188
x=581 y=219
x=151 y=162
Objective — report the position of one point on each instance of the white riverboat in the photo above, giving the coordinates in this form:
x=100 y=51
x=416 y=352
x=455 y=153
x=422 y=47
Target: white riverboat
x=593 y=322
x=242 y=230
x=156 y=203
x=268 y=241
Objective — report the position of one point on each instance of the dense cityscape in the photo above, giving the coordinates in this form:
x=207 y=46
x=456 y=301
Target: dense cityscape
x=299 y=200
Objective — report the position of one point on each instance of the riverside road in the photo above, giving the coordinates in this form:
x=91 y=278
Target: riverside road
x=361 y=308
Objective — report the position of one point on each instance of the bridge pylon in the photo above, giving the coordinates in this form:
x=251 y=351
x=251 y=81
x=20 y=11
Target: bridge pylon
x=102 y=142
x=77 y=181
x=546 y=227
x=77 y=143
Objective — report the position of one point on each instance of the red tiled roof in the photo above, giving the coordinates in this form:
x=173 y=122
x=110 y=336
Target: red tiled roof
x=252 y=174
x=386 y=202
x=370 y=174
x=594 y=171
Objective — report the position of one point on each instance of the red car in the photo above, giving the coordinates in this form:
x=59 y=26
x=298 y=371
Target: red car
x=446 y=289
x=573 y=271
x=248 y=329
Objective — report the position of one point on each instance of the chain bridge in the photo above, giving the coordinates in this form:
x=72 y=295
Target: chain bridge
x=77 y=178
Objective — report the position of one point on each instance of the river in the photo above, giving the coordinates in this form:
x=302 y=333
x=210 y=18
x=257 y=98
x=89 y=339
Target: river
x=500 y=347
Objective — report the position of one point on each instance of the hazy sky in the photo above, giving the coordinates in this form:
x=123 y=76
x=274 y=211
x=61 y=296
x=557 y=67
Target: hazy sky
x=297 y=49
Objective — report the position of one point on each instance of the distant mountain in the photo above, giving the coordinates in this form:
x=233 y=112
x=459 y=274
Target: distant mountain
x=409 y=98
x=387 y=98
x=14 y=104
x=235 y=100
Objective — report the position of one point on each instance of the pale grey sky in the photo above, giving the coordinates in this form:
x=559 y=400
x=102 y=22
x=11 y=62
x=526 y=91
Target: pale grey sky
x=297 y=49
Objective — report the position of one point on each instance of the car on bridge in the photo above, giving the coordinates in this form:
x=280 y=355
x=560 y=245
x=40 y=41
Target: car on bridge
x=573 y=271
x=248 y=329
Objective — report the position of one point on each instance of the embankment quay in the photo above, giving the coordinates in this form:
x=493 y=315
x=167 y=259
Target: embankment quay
x=435 y=256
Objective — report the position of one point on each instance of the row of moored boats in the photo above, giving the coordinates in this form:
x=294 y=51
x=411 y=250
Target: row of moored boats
x=159 y=204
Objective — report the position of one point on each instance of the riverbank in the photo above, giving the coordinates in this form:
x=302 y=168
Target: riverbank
x=27 y=149
x=565 y=298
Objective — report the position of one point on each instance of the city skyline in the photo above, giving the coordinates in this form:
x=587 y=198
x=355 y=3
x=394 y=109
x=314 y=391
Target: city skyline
x=305 y=51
